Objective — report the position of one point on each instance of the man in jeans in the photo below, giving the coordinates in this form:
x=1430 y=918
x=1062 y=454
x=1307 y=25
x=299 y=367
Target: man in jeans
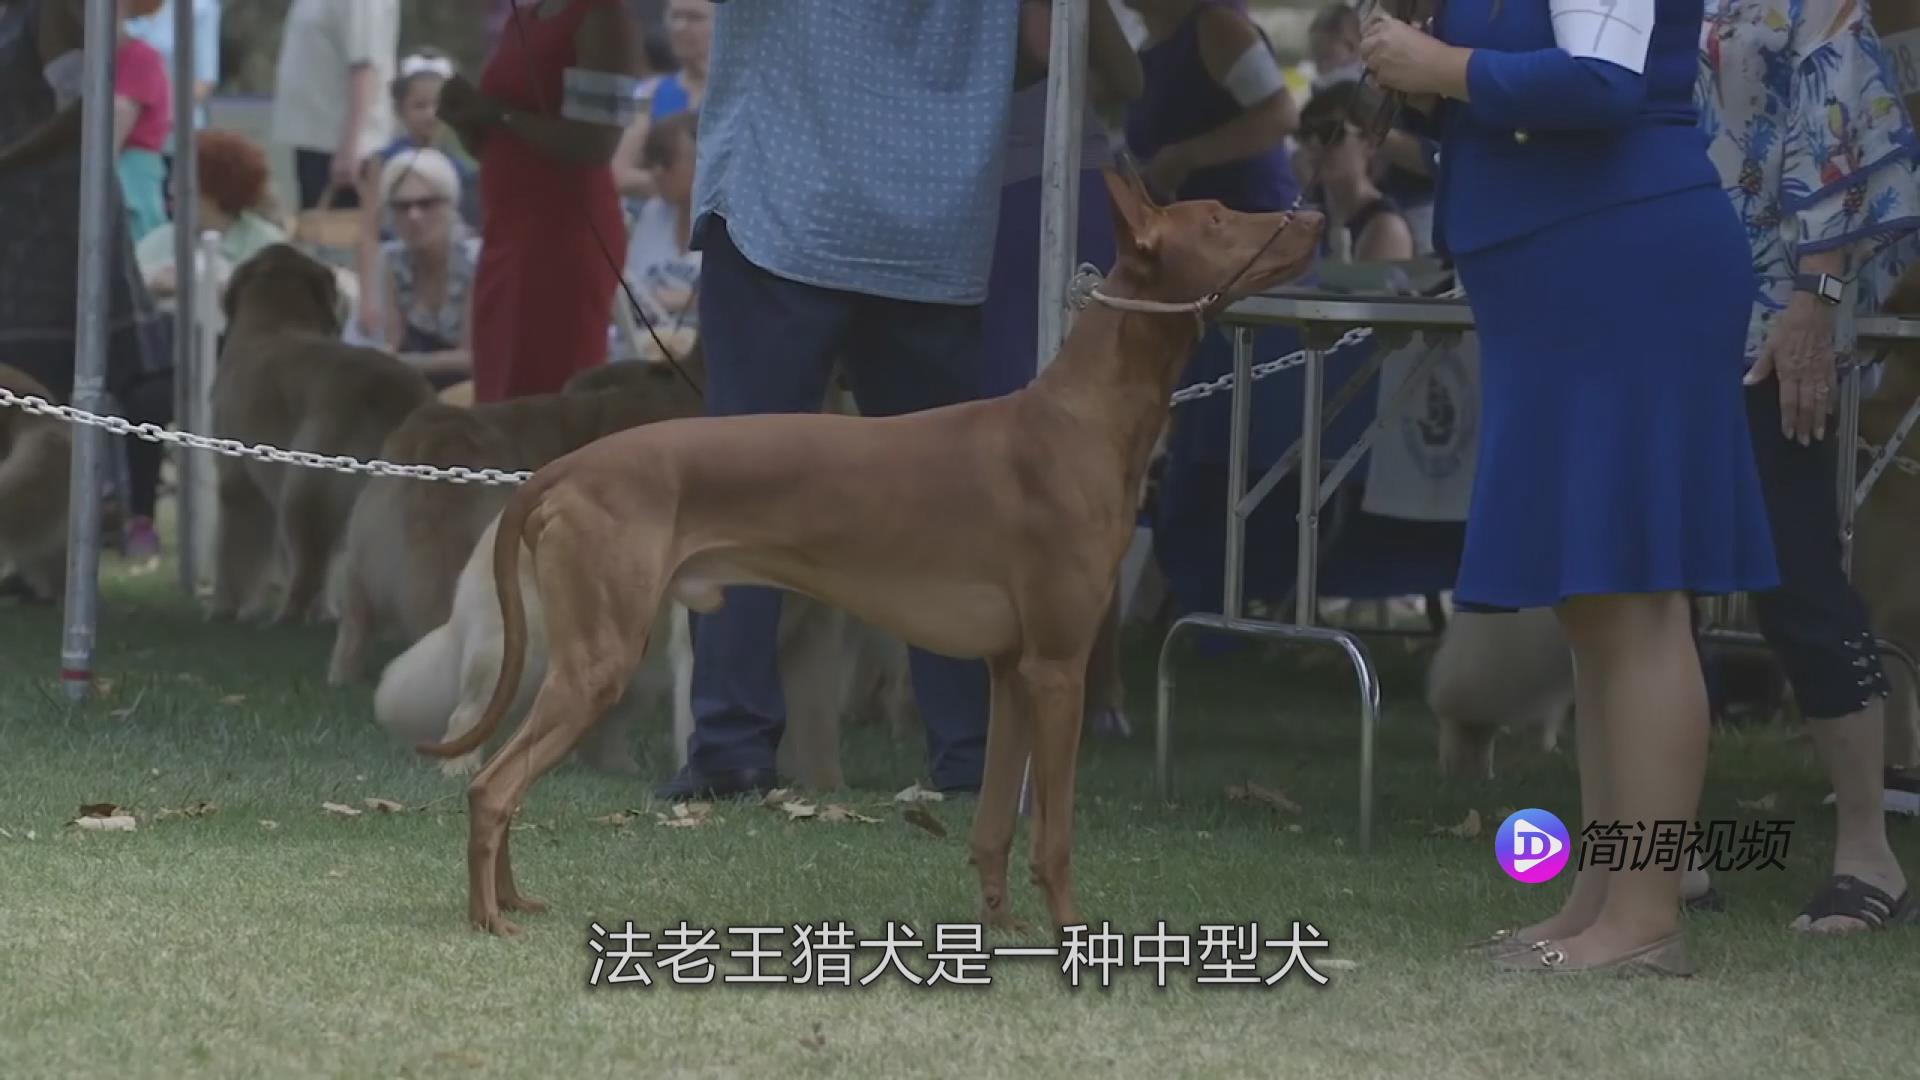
x=845 y=202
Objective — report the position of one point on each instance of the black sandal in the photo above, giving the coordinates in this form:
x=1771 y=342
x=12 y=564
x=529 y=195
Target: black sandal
x=1847 y=897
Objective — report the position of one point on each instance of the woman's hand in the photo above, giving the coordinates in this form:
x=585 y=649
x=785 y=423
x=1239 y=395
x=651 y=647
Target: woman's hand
x=1167 y=171
x=1799 y=352
x=163 y=283
x=1410 y=61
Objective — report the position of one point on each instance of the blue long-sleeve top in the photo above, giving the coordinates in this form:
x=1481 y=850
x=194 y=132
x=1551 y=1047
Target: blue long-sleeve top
x=1546 y=136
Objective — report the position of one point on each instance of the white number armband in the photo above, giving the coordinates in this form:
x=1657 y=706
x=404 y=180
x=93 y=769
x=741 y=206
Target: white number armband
x=67 y=74
x=1616 y=31
x=601 y=97
x=1254 y=77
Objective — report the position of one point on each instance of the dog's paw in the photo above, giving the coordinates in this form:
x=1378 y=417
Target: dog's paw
x=526 y=905
x=464 y=765
x=498 y=926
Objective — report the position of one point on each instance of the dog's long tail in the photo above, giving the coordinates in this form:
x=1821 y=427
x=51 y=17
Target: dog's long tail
x=513 y=624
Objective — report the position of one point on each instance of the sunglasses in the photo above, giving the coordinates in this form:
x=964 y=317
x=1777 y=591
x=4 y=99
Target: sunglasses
x=408 y=206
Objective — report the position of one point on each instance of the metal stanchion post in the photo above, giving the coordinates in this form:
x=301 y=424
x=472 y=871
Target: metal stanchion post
x=186 y=346
x=97 y=235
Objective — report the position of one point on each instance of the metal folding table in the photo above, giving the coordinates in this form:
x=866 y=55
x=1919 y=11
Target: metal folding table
x=1323 y=320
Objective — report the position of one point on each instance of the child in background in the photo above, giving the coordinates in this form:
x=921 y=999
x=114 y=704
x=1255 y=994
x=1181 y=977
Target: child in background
x=662 y=270
x=142 y=122
x=416 y=101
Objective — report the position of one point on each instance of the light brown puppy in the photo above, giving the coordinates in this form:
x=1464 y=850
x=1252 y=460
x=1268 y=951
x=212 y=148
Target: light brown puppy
x=1494 y=673
x=408 y=539
x=992 y=529
x=286 y=379
x=35 y=457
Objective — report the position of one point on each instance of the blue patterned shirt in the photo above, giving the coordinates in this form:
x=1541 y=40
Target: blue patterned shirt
x=1811 y=140
x=857 y=144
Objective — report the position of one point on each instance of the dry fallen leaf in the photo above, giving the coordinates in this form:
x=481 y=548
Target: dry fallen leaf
x=198 y=809
x=103 y=687
x=337 y=808
x=1468 y=828
x=837 y=814
x=337 y=872
x=234 y=699
x=99 y=809
x=385 y=806
x=1260 y=794
x=1338 y=964
x=815 y=1041
x=269 y=825
x=31 y=835
x=615 y=819
x=1295 y=828
x=915 y=793
x=688 y=815
x=1765 y=804
x=6 y=834
x=920 y=819
x=796 y=809
x=776 y=796
x=115 y=823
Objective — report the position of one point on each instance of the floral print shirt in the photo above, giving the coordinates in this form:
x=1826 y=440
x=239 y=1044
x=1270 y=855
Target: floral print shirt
x=1812 y=142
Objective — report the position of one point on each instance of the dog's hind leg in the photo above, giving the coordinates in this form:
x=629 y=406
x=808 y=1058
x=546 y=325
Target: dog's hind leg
x=350 y=638
x=597 y=629
x=308 y=531
x=1055 y=692
x=243 y=543
x=997 y=813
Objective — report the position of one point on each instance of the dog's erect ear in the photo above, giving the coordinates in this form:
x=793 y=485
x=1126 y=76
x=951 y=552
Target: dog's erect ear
x=326 y=291
x=1135 y=217
x=237 y=283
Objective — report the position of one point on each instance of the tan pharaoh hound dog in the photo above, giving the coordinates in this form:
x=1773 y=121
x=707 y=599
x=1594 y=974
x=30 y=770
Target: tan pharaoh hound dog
x=992 y=529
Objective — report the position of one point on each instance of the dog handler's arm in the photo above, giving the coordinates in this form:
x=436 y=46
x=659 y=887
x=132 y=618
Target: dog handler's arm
x=1240 y=62
x=601 y=96
x=58 y=37
x=1580 y=85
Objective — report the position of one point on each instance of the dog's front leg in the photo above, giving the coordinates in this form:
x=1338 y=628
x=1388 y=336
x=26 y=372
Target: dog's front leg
x=997 y=814
x=1055 y=692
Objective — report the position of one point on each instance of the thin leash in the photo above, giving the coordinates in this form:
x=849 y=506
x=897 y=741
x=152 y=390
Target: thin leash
x=1208 y=306
x=619 y=271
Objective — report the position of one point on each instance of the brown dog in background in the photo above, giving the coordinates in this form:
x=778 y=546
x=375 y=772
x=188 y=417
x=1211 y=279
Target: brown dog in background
x=407 y=539
x=35 y=458
x=286 y=379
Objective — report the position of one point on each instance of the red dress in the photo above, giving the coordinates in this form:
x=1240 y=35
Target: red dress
x=543 y=293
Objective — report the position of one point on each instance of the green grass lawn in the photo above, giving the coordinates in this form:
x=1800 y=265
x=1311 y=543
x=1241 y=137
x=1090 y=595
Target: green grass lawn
x=332 y=946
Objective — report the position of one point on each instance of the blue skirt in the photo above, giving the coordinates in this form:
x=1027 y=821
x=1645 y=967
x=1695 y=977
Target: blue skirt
x=1614 y=453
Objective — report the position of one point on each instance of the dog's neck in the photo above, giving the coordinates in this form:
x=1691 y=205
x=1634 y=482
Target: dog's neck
x=1117 y=370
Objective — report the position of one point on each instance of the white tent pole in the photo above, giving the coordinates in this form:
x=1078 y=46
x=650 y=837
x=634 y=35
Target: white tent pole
x=97 y=207
x=1060 y=197
x=186 y=268
x=1060 y=169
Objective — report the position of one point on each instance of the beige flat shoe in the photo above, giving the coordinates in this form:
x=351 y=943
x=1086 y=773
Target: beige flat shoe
x=1666 y=957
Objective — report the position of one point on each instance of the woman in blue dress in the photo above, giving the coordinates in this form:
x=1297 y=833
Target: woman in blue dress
x=1611 y=283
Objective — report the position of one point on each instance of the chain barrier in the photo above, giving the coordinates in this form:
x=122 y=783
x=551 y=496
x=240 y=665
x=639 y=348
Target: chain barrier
x=1906 y=465
x=154 y=433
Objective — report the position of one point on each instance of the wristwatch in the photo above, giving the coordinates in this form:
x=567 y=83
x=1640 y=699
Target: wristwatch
x=1825 y=287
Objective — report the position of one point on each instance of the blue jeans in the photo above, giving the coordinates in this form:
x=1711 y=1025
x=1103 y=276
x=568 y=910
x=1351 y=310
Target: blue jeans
x=770 y=345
